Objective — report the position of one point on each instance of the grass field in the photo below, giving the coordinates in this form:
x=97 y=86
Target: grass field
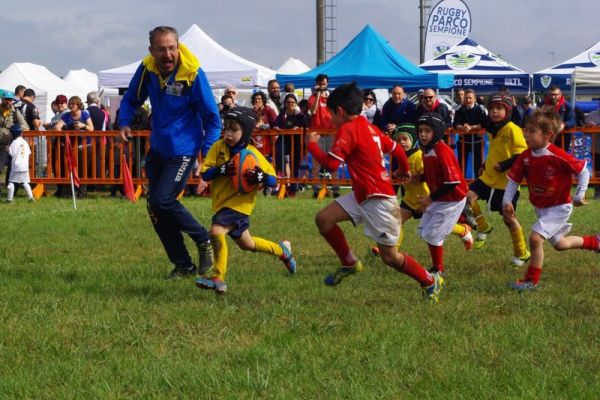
x=86 y=313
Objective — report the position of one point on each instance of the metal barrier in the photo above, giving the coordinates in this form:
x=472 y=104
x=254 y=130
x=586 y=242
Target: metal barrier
x=98 y=155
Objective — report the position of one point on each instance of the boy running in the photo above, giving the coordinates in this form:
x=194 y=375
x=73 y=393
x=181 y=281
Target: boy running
x=232 y=209
x=444 y=205
x=506 y=143
x=372 y=200
x=548 y=170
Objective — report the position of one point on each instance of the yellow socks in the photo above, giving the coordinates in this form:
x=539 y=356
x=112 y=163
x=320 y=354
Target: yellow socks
x=459 y=230
x=219 y=246
x=518 y=242
x=266 y=246
x=482 y=224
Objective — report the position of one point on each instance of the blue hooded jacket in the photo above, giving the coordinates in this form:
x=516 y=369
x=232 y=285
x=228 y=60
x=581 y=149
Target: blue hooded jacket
x=185 y=118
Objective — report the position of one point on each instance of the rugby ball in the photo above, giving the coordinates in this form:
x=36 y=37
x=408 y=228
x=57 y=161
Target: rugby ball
x=243 y=161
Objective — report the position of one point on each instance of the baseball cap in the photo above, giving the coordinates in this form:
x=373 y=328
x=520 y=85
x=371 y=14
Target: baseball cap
x=6 y=94
x=61 y=99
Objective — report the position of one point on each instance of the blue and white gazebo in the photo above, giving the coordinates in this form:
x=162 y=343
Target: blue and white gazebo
x=474 y=67
x=560 y=74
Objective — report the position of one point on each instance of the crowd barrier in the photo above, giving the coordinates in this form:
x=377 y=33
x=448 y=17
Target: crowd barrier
x=99 y=155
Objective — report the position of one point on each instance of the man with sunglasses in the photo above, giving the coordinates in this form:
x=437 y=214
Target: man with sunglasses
x=430 y=103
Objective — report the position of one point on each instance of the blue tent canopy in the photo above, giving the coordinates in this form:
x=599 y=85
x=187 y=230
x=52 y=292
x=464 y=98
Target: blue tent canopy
x=560 y=74
x=476 y=68
x=373 y=63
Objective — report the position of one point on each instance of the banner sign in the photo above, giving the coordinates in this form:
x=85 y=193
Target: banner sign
x=449 y=23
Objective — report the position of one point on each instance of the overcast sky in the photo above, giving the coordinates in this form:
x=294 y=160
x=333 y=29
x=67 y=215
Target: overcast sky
x=97 y=35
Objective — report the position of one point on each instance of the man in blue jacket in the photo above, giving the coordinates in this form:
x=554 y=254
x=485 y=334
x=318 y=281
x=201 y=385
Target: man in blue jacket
x=185 y=121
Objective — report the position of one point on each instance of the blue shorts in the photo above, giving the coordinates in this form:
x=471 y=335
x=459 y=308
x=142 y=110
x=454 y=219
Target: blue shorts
x=235 y=220
x=483 y=191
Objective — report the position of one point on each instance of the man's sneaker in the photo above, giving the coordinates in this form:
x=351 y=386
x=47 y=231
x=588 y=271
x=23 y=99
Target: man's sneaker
x=342 y=273
x=287 y=257
x=215 y=284
x=522 y=285
x=481 y=237
x=432 y=293
x=178 y=273
x=467 y=238
x=518 y=262
x=205 y=257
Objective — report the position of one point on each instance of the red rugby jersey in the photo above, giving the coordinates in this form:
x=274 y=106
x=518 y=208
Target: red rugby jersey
x=549 y=173
x=441 y=166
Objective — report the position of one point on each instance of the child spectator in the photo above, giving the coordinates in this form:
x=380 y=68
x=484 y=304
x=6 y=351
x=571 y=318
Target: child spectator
x=19 y=172
x=506 y=143
x=232 y=209
x=443 y=206
x=372 y=200
x=548 y=170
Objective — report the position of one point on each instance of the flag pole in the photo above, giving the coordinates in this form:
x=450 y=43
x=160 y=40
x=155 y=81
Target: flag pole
x=73 y=191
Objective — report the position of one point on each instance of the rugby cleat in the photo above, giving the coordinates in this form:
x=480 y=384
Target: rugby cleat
x=342 y=273
x=205 y=257
x=467 y=238
x=432 y=293
x=522 y=285
x=518 y=262
x=215 y=284
x=287 y=258
x=481 y=237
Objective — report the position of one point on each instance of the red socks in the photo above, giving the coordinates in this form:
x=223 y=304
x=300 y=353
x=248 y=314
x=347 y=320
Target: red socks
x=413 y=269
x=437 y=257
x=533 y=274
x=590 y=243
x=336 y=239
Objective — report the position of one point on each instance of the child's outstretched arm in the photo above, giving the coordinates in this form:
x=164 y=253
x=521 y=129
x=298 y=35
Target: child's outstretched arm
x=583 y=179
x=326 y=160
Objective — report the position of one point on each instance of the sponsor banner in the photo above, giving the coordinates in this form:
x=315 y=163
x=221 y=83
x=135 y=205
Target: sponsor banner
x=449 y=23
x=483 y=82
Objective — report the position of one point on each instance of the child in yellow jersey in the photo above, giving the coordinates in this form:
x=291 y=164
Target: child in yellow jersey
x=506 y=143
x=406 y=136
x=232 y=209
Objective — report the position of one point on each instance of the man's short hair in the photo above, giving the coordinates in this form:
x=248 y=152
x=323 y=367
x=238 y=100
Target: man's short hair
x=29 y=93
x=396 y=86
x=468 y=91
x=272 y=81
x=320 y=77
x=160 y=30
x=347 y=96
x=19 y=88
x=92 y=98
x=545 y=119
x=552 y=88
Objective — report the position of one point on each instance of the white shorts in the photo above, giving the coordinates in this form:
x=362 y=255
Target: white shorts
x=380 y=215
x=439 y=219
x=552 y=223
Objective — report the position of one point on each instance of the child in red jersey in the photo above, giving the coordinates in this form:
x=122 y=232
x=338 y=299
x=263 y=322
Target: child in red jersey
x=447 y=186
x=548 y=170
x=372 y=201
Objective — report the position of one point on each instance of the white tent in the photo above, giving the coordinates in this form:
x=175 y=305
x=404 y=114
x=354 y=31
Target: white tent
x=221 y=66
x=45 y=84
x=86 y=80
x=584 y=77
x=293 y=66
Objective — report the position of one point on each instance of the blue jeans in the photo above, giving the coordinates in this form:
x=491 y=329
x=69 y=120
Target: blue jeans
x=166 y=179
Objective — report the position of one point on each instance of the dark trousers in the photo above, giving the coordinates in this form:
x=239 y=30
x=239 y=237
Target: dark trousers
x=166 y=179
x=475 y=150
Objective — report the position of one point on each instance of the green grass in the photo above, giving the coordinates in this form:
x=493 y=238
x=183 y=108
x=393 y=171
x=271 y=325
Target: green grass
x=85 y=312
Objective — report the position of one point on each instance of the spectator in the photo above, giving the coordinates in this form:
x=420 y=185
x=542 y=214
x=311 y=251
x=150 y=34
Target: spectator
x=470 y=117
x=288 y=148
x=396 y=110
x=233 y=92
x=459 y=97
x=226 y=104
x=274 y=101
x=99 y=121
x=265 y=120
x=8 y=117
x=60 y=107
x=432 y=104
x=527 y=106
x=555 y=100
x=481 y=102
x=370 y=110
x=320 y=118
x=19 y=152
x=593 y=120
x=19 y=91
x=288 y=88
